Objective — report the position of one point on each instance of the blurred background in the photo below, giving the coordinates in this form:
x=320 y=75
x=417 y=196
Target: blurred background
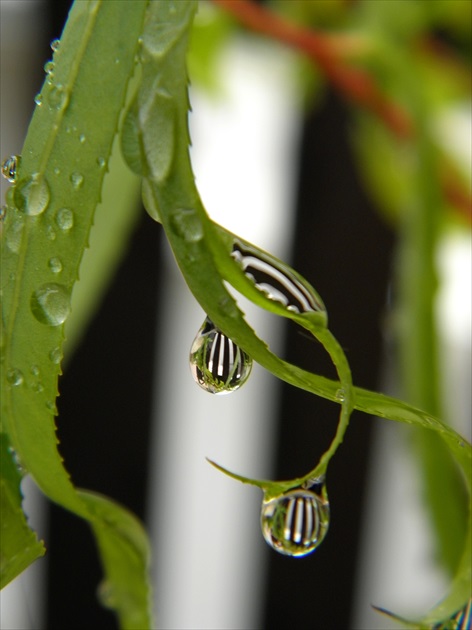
x=280 y=159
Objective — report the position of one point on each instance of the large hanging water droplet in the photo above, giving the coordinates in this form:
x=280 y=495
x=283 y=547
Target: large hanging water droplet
x=32 y=195
x=50 y=304
x=10 y=168
x=295 y=523
x=218 y=365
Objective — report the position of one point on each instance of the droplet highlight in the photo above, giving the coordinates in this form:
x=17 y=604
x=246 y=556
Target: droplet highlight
x=38 y=99
x=32 y=195
x=217 y=364
x=55 y=44
x=58 y=97
x=50 y=304
x=10 y=168
x=187 y=224
x=295 y=523
x=55 y=355
x=65 y=219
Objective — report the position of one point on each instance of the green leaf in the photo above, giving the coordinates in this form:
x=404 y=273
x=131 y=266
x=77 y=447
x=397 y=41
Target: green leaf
x=19 y=546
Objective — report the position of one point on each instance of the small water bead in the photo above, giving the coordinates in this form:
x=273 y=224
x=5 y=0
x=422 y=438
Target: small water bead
x=187 y=224
x=34 y=370
x=50 y=304
x=55 y=44
x=55 y=264
x=217 y=364
x=32 y=195
x=58 y=97
x=3 y=212
x=82 y=138
x=101 y=162
x=10 y=168
x=50 y=232
x=38 y=99
x=14 y=377
x=340 y=395
x=49 y=67
x=14 y=235
x=55 y=355
x=65 y=219
x=77 y=180
x=295 y=523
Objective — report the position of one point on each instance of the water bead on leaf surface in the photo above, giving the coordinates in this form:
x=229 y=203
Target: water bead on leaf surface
x=50 y=304
x=10 y=168
x=295 y=523
x=218 y=365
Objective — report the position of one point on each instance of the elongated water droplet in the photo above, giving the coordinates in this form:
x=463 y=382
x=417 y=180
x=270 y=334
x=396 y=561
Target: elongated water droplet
x=3 y=213
x=77 y=180
x=55 y=355
x=14 y=377
x=50 y=304
x=187 y=224
x=65 y=219
x=32 y=195
x=340 y=395
x=55 y=264
x=296 y=522
x=34 y=369
x=218 y=365
x=58 y=97
x=10 y=168
x=14 y=234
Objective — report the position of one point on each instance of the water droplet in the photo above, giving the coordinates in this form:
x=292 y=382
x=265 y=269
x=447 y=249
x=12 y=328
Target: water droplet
x=14 y=377
x=37 y=388
x=3 y=212
x=50 y=304
x=340 y=395
x=58 y=97
x=13 y=235
x=51 y=234
x=77 y=180
x=38 y=99
x=57 y=171
x=82 y=138
x=296 y=522
x=55 y=44
x=65 y=219
x=49 y=67
x=34 y=369
x=55 y=264
x=10 y=168
x=187 y=224
x=218 y=365
x=106 y=594
x=101 y=162
x=55 y=355
x=32 y=195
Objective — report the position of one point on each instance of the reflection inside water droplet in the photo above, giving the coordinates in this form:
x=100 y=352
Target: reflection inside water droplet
x=296 y=522
x=32 y=195
x=218 y=365
x=50 y=304
x=10 y=168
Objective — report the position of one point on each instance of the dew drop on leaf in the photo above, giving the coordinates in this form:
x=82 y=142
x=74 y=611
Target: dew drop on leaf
x=295 y=523
x=58 y=97
x=38 y=99
x=55 y=44
x=13 y=236
x=77 y=180
x=217 y=364
x=50 y=304
x=101 y=162
x=65 y=219
x=340 y=395
x=32 y=195
x=187 y=224
x=14 y=377
x=34 y=369
x=3 y=213
x=10 y=168
x=55 y=264
x=55 y=355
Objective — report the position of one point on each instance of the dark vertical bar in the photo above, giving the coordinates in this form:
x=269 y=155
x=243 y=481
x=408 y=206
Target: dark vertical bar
x=344 y=249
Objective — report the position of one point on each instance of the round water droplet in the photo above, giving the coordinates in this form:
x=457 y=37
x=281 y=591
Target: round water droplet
x=34 y=369
x=55 y=264
x=77 y=180
x=55 y=44
x=37 y=388
x=32 y=195
x=10 y=168
x=14 y=377
x=55 y=355
x=58 y=97
x=51 y=234
x=187 y=224
x=65 y=219
x=50 y=304
x=106 y=594
x=218 y=365
x=101 y=162
x=38 y=99
x=295 y=523
x=82 y=138
x=49 y=67
x=340 y=395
